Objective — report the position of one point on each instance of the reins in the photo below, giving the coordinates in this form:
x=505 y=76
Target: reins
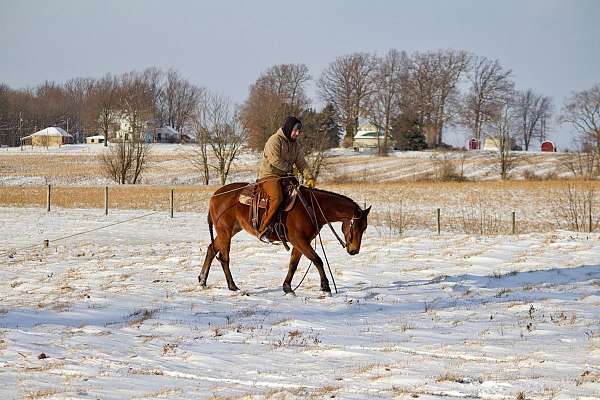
x=314 y=220
x=329 y=223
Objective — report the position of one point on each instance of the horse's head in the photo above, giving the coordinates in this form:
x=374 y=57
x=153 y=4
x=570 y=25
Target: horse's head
x=354 y=228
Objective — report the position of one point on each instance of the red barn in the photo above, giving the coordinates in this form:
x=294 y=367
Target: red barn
x=548 y=146
x=474 y=144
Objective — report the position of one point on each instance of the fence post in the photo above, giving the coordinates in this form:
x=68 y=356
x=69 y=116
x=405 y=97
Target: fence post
x=105 y=200
x=172 y=202
x=590 y=216
x=46 y=243
x=439 y=222
x=514 y=223
x=48 y=198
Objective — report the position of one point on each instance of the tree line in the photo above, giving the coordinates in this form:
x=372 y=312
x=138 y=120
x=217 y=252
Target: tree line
x=413 y=98
x=144 y=99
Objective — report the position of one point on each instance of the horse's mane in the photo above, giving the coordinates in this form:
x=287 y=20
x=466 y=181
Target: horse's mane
x=337 y=195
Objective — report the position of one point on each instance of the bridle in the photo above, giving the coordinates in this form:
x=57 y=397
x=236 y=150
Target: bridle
x=314 y=217
x=351 y=226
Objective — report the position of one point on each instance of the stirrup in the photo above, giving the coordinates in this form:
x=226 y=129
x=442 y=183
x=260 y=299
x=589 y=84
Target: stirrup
x=265 y=232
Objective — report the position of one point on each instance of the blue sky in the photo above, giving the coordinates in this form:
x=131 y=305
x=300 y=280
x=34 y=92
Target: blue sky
x=552 y=46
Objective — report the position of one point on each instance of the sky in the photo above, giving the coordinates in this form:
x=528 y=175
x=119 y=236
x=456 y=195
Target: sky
x=552 y=47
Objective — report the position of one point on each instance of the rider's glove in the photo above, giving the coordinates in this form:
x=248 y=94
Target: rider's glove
x=310 y=183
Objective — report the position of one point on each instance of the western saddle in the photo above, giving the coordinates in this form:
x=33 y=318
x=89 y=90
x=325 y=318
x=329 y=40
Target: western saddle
x=253 y=196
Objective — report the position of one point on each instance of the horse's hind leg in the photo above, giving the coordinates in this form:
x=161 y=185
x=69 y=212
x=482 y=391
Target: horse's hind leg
x=211 y=252
x=220 y=249
x=293 y=265
x=224 y=259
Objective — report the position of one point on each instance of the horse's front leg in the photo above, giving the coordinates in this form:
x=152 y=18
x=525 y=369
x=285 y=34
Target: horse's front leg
x=307 y=250
x=293 y=265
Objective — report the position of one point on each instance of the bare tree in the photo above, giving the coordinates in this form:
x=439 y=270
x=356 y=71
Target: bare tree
x=136 y=102
x=490 y=83
x=224 y=131
x=103 y=106
x=432 y=88
x=198 y=156
x=384 y=104
x=321 y=133
x=177 y=101
x=583 y=162
x=532 y=109
x=582 y=112
x=126 y=160
x=502 y=130
x=347 y=83
x=278 y=92
x=78 y=92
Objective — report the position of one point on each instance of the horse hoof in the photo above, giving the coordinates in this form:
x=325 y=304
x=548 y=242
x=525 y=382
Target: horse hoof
x=234 y=288
x=287 y=289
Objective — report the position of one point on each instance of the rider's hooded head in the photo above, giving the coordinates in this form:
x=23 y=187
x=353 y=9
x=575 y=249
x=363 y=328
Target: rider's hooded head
x=289 y=125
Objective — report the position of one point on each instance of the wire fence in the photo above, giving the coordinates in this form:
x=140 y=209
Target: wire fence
x=488 y=213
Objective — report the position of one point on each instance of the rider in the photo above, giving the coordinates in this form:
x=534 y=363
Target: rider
x=281 y=152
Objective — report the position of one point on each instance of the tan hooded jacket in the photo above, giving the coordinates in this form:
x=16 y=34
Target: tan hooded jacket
x=279 y=157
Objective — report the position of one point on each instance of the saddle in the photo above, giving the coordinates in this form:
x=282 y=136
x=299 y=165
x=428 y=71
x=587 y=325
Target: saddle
x=253 y=196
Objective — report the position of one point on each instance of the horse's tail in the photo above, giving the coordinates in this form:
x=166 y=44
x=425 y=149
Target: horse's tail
x=210 y=229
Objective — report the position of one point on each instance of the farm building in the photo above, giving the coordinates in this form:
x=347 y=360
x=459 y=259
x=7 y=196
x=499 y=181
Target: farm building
x=369 y=136
x=94 y=139
x=166 y=134
x=474 y=144
x=49 y=137
x=548 y=146
x=493 y=143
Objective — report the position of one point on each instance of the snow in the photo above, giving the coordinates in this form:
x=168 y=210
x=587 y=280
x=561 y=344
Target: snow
x=50 y=131
x=119 y=314
x=340 y=165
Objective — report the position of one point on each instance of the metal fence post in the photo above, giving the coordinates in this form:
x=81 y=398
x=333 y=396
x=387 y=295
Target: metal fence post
x=514 y=223
x=48 y=198
x=590 y=217
x=105 y=200
x=172 y=202
x=439 y=222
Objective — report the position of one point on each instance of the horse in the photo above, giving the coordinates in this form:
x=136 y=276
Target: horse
x=229 y=217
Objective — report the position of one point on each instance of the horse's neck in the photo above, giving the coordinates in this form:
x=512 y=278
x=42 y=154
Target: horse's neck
x=335 y=208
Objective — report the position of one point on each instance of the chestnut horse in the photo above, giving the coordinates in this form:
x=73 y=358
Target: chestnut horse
x=229 y=217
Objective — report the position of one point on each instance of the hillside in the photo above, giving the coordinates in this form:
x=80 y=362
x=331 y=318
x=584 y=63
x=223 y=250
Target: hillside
x=170 y=165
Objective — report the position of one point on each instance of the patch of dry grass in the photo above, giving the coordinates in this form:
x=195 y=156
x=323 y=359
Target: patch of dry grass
x=468 y=207
x=188 y=198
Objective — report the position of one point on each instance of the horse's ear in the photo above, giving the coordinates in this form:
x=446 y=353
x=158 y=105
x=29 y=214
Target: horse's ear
x=368 y=210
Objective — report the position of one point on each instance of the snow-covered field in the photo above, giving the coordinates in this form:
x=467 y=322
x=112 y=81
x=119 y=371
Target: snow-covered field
x=169 y=165
x=118 y=314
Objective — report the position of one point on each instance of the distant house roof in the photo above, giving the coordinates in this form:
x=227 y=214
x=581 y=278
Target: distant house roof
x=50 y=131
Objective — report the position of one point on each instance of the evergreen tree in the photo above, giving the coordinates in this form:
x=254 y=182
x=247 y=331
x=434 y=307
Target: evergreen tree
x=414 y=139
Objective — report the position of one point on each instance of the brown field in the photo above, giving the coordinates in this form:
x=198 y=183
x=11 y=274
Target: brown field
x=474 y=207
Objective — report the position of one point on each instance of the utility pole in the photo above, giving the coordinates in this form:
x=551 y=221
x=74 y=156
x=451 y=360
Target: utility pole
x=20 y=126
